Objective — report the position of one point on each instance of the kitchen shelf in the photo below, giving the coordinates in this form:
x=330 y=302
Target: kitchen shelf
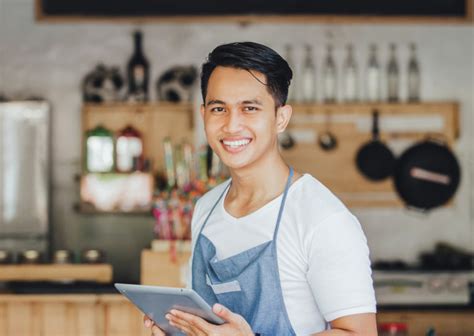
x=57 y=272
x=401 y=124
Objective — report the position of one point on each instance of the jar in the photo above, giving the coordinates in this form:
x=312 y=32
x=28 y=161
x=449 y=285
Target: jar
x=393 y=329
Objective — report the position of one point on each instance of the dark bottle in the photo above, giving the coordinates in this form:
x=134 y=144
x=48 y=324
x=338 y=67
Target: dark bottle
x=138 y=71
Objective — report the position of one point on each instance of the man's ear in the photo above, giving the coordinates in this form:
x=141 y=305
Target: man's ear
x=202 y=110
x=283 y=117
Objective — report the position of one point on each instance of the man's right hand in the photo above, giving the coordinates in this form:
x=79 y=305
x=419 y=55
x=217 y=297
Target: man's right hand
x=155 y=330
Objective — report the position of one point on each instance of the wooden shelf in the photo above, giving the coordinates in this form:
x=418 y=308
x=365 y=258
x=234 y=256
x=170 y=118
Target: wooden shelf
x=351 y=124
x=57 y=272
x=154 y=121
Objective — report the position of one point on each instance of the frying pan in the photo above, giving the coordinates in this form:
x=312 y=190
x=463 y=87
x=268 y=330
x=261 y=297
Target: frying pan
x=427 y=174
x=374 y=159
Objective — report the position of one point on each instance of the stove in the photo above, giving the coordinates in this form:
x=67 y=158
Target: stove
x=422 y=287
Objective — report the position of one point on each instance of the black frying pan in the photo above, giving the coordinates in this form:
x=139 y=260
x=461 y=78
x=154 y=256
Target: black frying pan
x=427 y=175
x=374 y=159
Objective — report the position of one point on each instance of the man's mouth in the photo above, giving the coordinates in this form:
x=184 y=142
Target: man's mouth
x=235 y=144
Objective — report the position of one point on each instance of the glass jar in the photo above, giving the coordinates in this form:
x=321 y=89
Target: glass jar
x=393 y=329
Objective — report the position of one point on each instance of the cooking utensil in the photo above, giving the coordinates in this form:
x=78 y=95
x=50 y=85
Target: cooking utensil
x=63 y=257
x=31 y=257
x=327 y=140
x=374 y=159
x=92 y=256
x=286 y=140
x=427 y=174
x=6 y=257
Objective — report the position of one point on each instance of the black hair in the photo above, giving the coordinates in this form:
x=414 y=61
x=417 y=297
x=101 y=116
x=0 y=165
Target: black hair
x=251 y=56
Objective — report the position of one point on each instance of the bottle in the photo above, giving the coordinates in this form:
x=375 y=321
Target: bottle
x=413 y=76
x=393 y=87
x=373 y=77
x=99 y=150
x=138 y=70
x=351 y=92
x=129 y=148
x=329 y=77
x=289 y=59
x=308 y=77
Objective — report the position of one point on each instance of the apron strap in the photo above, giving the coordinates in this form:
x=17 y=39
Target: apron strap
x=213 y=207
x=282 y=205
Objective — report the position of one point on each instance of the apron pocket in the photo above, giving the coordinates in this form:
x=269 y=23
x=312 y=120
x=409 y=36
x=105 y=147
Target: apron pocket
x=226 y=287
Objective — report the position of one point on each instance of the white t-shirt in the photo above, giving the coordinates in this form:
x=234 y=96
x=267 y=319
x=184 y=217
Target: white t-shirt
x=322 y=252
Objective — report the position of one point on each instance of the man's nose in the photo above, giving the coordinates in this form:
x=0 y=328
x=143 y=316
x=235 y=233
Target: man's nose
x=233 y=122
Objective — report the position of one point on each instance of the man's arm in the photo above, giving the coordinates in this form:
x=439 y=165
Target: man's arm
x=352 y=325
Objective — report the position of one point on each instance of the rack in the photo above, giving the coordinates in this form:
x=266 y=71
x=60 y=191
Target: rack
x=400 y=125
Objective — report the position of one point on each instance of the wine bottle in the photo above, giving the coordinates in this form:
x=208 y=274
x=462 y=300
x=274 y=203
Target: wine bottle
x=350 y=76
x=413 y=76
x=289 y=59
x=393 y=76
x=138 y=72
x=329 y=77
x=308 y=77
x=373 y=89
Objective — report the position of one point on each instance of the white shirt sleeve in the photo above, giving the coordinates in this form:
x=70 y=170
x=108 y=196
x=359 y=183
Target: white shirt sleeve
x=339 y=270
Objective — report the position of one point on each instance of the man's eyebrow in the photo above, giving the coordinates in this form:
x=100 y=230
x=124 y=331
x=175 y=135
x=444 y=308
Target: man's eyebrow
x=215 y=102
x=252 y=101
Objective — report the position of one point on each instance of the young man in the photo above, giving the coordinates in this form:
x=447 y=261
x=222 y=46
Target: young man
x=275 y=252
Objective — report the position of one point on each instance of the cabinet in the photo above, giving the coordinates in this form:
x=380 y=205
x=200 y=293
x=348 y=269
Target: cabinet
x=114 y=315
x=446 y=323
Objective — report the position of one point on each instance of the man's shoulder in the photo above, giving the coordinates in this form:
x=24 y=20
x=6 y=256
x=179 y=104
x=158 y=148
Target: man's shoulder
x=314 y=194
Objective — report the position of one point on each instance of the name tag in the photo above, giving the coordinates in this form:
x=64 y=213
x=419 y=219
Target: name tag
x=226 y=287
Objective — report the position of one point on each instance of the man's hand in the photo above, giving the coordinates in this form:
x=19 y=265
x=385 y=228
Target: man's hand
x=193 y=325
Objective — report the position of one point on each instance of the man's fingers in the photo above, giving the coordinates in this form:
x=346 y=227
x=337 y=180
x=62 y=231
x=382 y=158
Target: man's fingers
x=157 y=331
x=147 y=322
x=225 y=313
x=197 y=324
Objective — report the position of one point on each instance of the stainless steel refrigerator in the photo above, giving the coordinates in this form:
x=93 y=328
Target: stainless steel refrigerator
x=24 y=175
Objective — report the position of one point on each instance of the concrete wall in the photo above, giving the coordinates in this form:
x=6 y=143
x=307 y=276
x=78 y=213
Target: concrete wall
x=51 y=59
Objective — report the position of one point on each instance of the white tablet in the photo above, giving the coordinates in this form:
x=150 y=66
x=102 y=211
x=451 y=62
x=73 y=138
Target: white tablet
x=156 y=302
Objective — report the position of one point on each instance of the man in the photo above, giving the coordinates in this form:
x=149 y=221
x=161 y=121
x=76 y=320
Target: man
x=275 y=252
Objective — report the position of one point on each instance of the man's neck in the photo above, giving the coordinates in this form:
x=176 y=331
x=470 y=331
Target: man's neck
x=263 y=181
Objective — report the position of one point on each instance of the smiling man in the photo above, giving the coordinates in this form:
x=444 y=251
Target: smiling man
x=275 y=252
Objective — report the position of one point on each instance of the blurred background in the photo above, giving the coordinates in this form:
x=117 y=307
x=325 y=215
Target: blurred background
x=102 y=146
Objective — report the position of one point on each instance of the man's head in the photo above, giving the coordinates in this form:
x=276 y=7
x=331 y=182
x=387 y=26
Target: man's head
x=244 y=87
x=251 y=56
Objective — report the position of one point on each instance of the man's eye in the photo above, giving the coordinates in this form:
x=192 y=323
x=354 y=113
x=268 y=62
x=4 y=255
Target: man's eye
x=250 y=108
x=217 y=109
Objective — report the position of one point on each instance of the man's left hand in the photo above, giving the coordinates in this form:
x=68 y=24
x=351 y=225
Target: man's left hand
x=196 y=326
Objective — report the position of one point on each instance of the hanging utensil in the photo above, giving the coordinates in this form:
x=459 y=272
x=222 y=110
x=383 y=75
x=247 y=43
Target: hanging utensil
x=374 y=159
x=427 y=174
x=327 y=140
x=285 y=140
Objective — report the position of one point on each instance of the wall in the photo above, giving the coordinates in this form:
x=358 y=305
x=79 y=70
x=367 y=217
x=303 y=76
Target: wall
x=51 y=59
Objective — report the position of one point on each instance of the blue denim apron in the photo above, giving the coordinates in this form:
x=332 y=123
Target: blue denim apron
x=247 y=283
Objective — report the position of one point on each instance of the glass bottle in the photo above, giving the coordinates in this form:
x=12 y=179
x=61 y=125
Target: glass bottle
x=373 y=76
x=138 y=71
x=393 y=82
x=414 y=79
x=329 y=77
x=129 y=147
x=308 y=77
x=99 y=150
x=351 y=89
x=289 y=59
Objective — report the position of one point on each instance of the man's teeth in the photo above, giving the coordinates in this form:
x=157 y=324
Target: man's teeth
x=237 y=143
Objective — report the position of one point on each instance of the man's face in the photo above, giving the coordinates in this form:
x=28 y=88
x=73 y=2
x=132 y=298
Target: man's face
x=239 y=117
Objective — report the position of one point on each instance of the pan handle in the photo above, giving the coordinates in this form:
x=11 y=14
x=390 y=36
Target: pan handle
x=375 y=125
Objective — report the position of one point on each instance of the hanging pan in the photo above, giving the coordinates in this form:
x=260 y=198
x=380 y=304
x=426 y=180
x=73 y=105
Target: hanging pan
x=427 y=174
x=374 y=159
